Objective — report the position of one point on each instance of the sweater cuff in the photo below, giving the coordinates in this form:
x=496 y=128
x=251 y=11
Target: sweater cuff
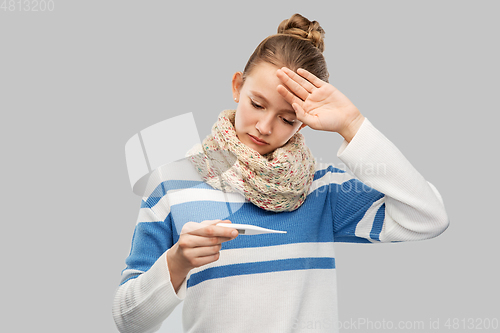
x=146 y=301
x=181 y=293
x=365 y=131
x=369 y=151
x=158 y=277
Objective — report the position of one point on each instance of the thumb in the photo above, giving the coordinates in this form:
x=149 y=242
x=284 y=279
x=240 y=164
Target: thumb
x=303 y=116
x=210 y=222
x=191 y=227
x=306 y=118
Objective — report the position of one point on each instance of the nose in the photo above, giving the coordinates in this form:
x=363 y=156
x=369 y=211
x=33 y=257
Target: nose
x=265 y=124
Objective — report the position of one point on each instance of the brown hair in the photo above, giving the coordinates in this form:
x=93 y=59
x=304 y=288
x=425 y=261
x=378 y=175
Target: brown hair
x=298 y=44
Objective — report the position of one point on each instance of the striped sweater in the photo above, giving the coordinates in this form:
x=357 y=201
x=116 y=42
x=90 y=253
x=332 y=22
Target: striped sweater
x=273 y=282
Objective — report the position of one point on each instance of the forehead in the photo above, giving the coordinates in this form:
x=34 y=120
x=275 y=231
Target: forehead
x=264 y=72
x=262 y=83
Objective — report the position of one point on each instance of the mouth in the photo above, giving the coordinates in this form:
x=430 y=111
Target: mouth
x=257 y=141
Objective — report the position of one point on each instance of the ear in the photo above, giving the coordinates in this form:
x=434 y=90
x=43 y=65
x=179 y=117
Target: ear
x=237 y=83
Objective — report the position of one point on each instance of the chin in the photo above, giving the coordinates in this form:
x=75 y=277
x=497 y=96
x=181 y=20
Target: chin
x=263 y=151
x=260 y=150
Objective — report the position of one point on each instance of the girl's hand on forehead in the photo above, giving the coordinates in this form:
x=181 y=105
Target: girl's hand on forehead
x=318 y=104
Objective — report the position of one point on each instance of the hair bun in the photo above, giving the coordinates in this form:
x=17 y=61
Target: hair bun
x=301 y=27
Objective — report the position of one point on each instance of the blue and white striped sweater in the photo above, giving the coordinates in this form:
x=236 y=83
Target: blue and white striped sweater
x=281 y=279
x=333 y=208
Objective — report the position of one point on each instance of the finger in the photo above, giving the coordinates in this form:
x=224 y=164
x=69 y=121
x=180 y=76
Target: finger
x=215 y=231
x=202 y=251
x=311 y=77
x=192 y=241
x=288 y=96
x=210 y=230
x=201 y=261
x=200 y=256
x=191 y=226
x=308 y=86
x=304 y=117
x=294 y=86
x=210 y=222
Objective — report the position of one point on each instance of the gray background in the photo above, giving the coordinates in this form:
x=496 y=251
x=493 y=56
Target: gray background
x=76 y=83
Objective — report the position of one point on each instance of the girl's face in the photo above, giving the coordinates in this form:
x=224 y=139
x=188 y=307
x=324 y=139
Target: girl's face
x=262 y=113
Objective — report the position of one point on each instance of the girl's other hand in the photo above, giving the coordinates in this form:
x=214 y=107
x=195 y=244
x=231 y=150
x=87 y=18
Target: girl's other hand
x=318 y=104
x=199 y=244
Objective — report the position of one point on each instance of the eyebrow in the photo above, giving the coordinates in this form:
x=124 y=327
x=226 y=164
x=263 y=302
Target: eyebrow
x=257 y=94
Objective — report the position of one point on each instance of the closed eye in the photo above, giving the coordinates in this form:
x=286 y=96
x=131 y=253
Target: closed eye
x=255 y=105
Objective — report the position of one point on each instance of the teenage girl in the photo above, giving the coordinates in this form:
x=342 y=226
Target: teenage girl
x=271 y=282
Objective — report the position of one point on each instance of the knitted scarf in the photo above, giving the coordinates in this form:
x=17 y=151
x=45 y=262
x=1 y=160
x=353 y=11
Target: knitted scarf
x=278 y=181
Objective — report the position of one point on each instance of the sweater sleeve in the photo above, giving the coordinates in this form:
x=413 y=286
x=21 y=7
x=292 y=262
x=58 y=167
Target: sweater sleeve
x=388 y=200
x=146 y=297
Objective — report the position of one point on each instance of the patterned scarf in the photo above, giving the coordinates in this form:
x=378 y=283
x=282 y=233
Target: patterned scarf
x=277 y=181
